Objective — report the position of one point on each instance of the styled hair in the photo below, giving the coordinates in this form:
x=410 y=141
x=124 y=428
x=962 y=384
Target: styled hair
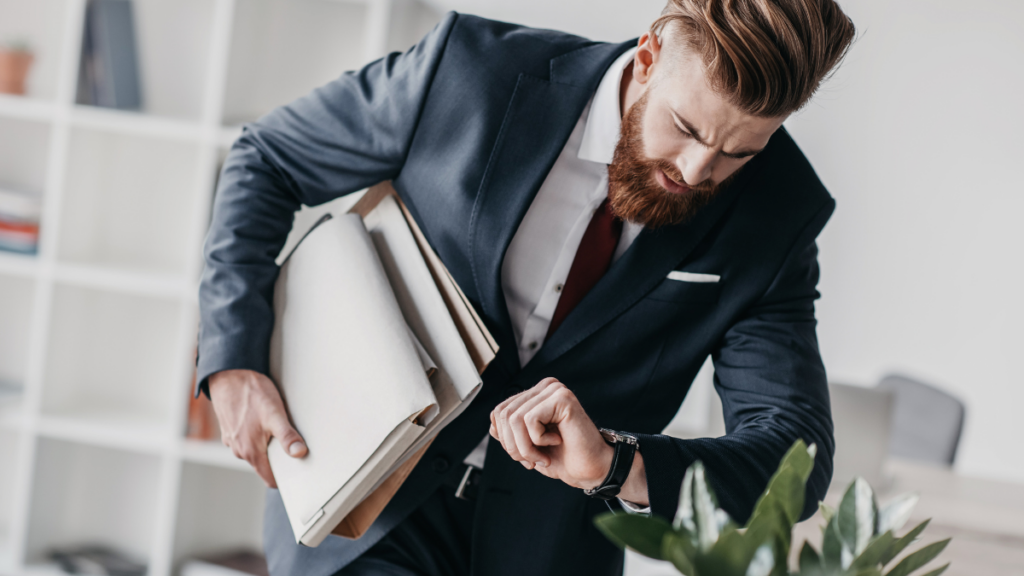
x=767 y=57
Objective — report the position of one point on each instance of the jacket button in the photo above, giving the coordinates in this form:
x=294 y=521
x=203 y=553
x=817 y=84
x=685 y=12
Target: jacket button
x=440 y=464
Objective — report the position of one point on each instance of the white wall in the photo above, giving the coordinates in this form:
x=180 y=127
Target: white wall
x=918 y=137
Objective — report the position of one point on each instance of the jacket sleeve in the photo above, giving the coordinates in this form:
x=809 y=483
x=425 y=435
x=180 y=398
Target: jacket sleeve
x=770 y=377
x=342 y=137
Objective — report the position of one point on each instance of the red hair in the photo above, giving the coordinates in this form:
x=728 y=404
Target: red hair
x=768 y=57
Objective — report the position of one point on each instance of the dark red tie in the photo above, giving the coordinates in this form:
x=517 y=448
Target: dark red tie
x=593 y=258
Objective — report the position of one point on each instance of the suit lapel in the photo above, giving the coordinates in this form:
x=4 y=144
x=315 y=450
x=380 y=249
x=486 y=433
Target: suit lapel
x=537 y=123
x=646 y=264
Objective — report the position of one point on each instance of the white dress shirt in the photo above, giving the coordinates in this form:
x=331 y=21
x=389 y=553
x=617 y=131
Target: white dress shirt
x=538 y=260
x=542 y=251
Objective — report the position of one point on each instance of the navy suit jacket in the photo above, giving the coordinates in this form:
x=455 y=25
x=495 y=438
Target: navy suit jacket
x=467 y=124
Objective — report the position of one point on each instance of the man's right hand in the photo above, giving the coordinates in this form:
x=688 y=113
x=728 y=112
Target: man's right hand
x=250 y=412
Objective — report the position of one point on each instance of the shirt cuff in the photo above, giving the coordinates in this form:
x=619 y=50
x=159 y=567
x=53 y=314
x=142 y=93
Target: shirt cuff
x=634 y=508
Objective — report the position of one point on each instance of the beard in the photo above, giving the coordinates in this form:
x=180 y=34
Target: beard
x=633 y=193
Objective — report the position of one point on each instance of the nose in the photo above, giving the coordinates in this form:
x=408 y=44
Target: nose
x=696 y=164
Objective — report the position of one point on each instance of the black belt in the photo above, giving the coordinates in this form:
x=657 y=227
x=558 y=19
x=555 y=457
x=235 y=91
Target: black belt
x=465 y=480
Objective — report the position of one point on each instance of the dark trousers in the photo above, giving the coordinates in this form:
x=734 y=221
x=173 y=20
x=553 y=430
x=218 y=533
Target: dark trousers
x=433 y=541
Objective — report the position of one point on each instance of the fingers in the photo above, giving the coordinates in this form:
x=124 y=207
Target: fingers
x=280 y=428
x=509 y=428
x=523 y=439
x=545 y=419
x=257 y=458
x=500 y=414
x=250 y=412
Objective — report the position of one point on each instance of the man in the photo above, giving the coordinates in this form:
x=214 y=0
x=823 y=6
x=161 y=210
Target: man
x=615 y=213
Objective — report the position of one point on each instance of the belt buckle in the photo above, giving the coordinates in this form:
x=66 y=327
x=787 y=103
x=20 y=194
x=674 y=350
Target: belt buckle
x=468 y=485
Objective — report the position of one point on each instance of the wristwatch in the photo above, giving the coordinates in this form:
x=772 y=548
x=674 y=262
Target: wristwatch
x=622 y=462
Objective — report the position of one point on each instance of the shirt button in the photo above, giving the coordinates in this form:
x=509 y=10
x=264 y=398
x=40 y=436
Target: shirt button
x=558 y=287
x=532 y=345
x=440 y=464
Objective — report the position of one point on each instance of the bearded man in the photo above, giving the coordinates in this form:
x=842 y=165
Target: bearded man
x=615 y=214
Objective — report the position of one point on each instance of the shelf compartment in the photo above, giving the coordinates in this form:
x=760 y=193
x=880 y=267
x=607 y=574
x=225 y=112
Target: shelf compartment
x=19 y=265
x=126 y=281
x=106 y=429
x=23 y=108
x=128 y=202
x=213 y=453
x=38 y=23
x=267 y=39
x=24 y=150
x=17 y=296
x=173 y=40
x=87 y=495
x=112 y=358
x=219 y=510
x=135 y=123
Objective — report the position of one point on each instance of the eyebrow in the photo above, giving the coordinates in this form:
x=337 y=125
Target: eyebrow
x=696 y=136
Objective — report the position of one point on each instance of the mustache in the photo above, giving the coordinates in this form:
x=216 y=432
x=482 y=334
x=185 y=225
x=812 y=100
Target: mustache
x=672 y=171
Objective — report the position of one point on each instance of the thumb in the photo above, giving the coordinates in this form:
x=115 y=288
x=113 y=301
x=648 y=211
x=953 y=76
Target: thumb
x=289 y=438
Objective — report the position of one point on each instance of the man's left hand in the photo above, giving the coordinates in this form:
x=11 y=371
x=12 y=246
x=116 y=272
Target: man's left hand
x=546 y=429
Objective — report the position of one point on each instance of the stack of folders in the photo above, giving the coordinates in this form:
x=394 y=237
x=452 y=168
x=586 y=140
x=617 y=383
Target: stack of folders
x=19 y=222
x=375 y=350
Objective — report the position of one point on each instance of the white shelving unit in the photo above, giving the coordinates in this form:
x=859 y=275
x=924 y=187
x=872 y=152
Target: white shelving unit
x=100 y=328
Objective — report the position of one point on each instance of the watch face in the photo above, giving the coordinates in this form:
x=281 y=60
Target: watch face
x=613 y=437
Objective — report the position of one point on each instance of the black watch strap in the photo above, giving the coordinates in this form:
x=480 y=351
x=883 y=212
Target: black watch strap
x=622 y=462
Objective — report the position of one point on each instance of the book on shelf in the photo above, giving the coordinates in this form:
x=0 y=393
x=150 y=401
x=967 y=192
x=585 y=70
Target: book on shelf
x=108 y=71
x=19 y=221
x=375 y=349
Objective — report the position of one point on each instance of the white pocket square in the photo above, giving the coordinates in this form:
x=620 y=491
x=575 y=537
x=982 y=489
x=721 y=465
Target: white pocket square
x=693 y=277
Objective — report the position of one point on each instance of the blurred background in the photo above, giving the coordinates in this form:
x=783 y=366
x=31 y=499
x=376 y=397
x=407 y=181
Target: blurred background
x=116 y=114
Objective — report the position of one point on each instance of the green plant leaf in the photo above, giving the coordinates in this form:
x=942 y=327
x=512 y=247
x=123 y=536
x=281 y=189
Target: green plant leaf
x=857 y=514
x=763 y=562
x=868 y=572
x=831 y=546
x=918 y=559
x=904 y=541
x=730 y=555
x=872 y=555
x=894 y=515
x=684 y=519
x=705 y=510
x=787 y=486
x=678 y=549
x=827 y=512
x=810 y=561
x=938 y=570
x=641 y=533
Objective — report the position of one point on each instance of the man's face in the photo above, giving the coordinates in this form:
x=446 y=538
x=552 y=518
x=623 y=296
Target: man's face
x=680 y=143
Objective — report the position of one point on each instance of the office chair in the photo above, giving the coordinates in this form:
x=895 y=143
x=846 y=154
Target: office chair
x=926 y=421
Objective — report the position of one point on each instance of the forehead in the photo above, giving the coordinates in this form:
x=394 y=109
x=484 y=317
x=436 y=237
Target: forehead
x=680 y=85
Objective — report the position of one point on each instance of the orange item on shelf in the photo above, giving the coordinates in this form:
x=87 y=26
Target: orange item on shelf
x=14 y=65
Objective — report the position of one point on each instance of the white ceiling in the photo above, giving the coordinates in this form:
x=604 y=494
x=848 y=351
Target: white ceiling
x=609 y=20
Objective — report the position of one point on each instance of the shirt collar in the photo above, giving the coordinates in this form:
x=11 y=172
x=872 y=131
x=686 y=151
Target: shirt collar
x=605 y=118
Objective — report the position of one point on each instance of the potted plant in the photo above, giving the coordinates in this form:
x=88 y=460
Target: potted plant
x=15 y=61
x=859 y=538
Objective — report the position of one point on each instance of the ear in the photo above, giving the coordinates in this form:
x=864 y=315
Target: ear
x=648 y=54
